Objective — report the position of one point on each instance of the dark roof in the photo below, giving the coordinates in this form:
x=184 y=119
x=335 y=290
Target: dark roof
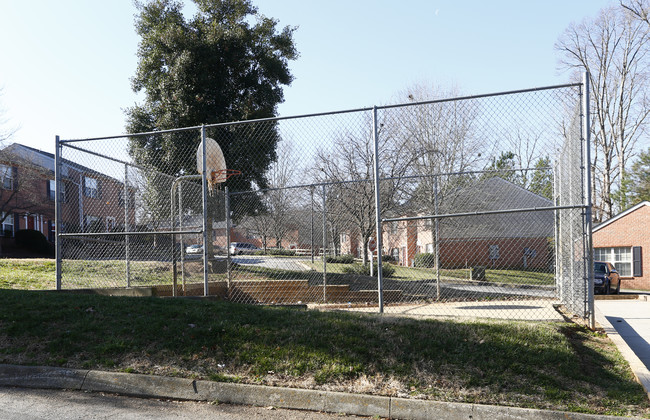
x=45 y=160
x=490 y=194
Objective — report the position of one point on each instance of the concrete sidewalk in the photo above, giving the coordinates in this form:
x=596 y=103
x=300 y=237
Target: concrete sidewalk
x=627 y=323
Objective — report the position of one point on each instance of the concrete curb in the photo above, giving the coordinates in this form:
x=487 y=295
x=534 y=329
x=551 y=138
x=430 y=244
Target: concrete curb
x=639 y=369
x=259 y=395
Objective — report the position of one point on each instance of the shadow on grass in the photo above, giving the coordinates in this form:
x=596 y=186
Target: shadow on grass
x=555 y=365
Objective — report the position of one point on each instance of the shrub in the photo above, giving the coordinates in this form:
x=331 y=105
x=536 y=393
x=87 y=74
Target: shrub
x=34 y=241
x=276 y=251
x=364 y=270
x=340 y=259
x=424 y=260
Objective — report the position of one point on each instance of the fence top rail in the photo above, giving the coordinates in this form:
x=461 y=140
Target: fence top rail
x=352 y=181
x=482 y=213
x=320 y=114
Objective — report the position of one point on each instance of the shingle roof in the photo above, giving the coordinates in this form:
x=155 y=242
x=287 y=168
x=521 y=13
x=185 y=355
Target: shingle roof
x=489 y=195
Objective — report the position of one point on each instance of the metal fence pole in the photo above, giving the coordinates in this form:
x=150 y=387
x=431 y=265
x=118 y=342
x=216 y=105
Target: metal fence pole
x=437 y=236
x=312 y=224
x=57 y=210
x=380 y=274
x=586 y=164
x=180 y=227
x=228 y=226
x=204 y=189
x=324 y=246
x=126 y=225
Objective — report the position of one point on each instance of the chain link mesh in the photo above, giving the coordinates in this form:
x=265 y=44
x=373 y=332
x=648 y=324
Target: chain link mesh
x=481 y=203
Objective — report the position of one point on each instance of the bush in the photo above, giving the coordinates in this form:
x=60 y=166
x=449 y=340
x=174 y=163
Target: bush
x=340 y=259
x=364 y=270
x=276 y=251
x=34 y=241
x=424 y=260
x=388 y=258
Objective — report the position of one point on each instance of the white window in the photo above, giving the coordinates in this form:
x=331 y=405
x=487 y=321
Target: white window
x=8 y=225
x=7 y=177
x=51 y=190
x=621 y=257
x=429 y=248
x=90 y=187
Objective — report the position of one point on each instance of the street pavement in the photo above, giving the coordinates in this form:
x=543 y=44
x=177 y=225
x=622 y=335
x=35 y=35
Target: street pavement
x=40 y=404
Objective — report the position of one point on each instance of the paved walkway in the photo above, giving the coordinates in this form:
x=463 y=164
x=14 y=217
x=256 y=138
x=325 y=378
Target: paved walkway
x=627 y=323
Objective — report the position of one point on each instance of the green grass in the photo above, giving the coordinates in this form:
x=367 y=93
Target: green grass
x=544 y=365
x=27 y=274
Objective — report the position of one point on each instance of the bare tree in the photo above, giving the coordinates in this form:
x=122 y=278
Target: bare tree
x=613 y=48
x=349 y=166
x=276 y=218
x=440 y=137
x=638 y=8
x=281 y=201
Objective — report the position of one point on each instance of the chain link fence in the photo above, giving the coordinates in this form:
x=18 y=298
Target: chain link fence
x=476 y=205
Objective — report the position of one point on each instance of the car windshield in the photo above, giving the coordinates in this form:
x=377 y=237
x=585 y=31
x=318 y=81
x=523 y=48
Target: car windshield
x=600 y=268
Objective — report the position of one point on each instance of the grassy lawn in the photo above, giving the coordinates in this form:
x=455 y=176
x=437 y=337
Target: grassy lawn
x=544 y=365
x=27 y=274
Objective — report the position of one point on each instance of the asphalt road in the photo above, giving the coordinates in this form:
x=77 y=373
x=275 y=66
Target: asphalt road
x=38 y=404
x=293 y=264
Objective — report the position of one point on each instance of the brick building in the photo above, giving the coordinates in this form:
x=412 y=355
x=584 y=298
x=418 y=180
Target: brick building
x=90 y=200
x=519 y=240
x=621 y=241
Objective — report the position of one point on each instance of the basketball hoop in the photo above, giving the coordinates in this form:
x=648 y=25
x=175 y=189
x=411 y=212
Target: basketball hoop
x=215 y=164
x=223 y=174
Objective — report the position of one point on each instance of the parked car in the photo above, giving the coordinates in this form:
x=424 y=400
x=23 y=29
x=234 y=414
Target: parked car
x=194 y=249
x=238 y=248
x=606 y=278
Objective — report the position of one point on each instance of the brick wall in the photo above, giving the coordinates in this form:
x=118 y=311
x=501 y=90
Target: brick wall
x=629 y=230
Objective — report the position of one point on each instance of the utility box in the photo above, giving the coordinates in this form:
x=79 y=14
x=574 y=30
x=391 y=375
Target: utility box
x=477 y=273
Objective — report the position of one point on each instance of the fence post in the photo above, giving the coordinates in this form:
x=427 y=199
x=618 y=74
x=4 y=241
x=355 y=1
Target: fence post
x=311 y=190
x=380 y=274
x=204 y=189
x=437 y=238
x=126 y=224
x=180 y=227
x=324 y=245
x=586 y=164
x=228 y=256
x=57 y=209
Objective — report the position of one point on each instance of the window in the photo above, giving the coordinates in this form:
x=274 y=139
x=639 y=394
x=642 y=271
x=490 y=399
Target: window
x=494 y=252
x=428 y=223
x=7 y=177
x=8 y=225
x=91 y=187
x=51 y=190
x=621 y=257
x=393 y=227
x=110 y=223
x=93 y=224
x=429 y=248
